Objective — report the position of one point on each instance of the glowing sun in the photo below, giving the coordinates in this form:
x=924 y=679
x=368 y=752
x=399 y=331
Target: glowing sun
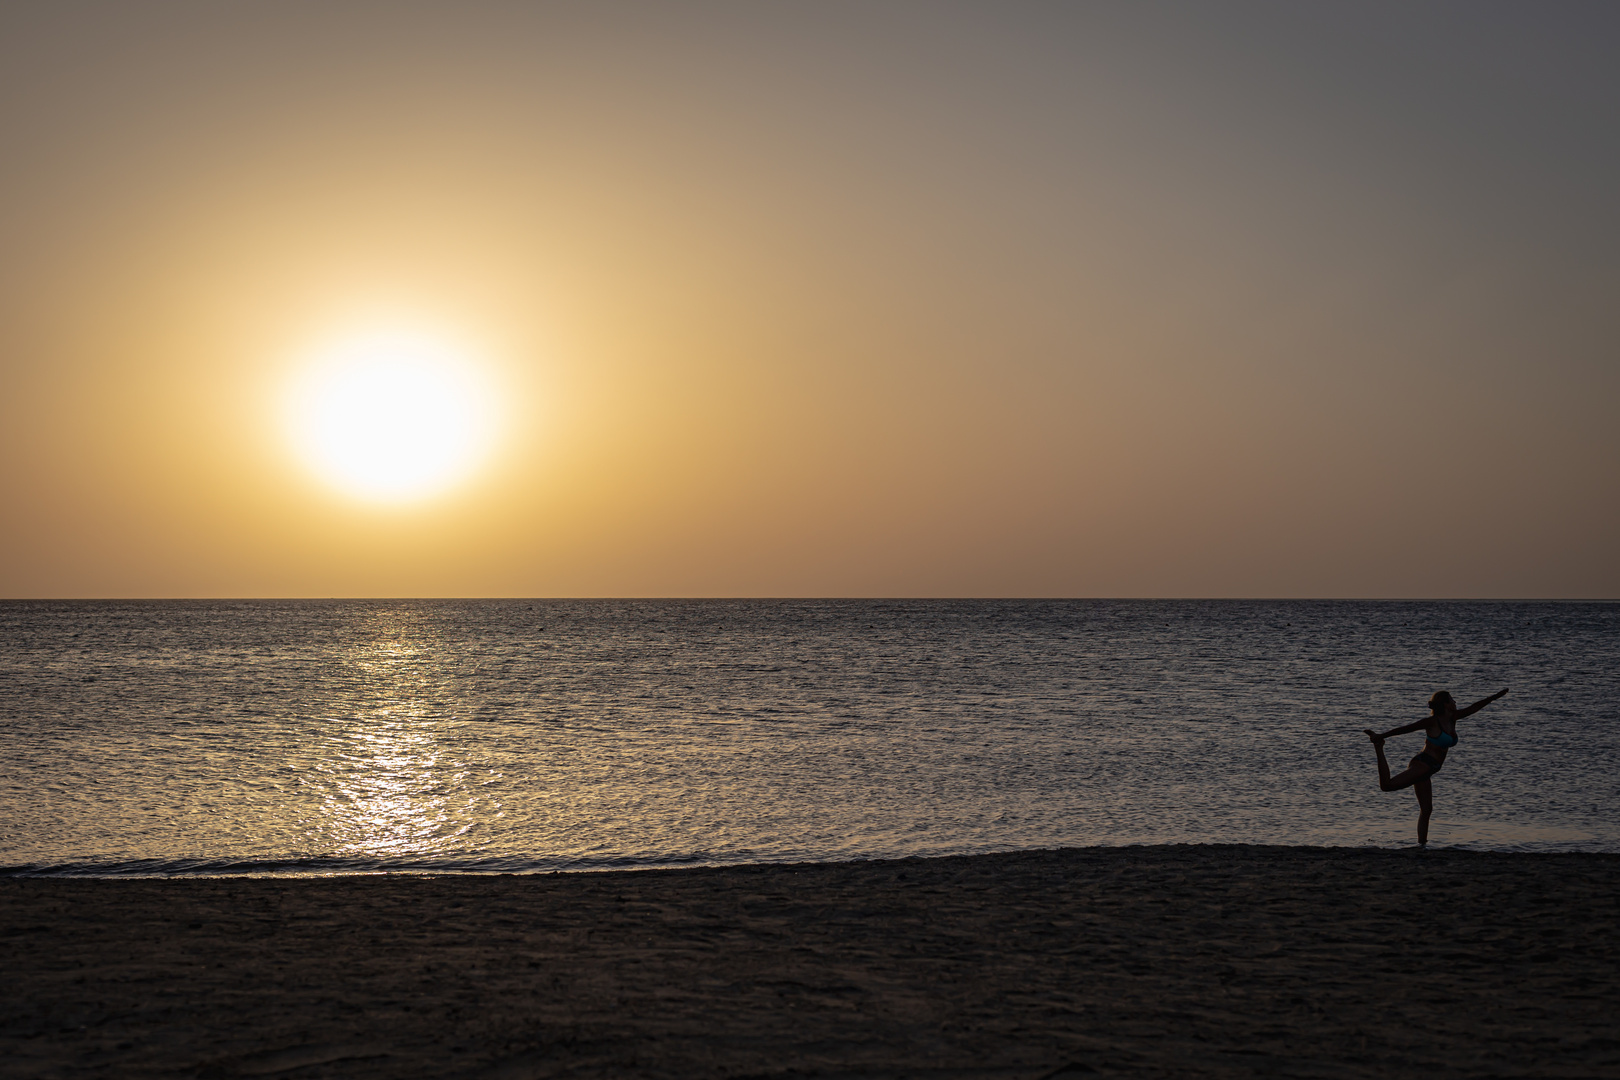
x=391 y=416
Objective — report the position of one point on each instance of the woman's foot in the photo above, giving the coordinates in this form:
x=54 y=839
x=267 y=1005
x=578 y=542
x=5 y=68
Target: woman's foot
x=1378 y=740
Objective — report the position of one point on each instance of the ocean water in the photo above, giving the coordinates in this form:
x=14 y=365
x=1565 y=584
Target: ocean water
x=484 y=736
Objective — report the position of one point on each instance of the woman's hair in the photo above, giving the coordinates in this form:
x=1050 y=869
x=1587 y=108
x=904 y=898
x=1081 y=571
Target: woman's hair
x=1440 y=700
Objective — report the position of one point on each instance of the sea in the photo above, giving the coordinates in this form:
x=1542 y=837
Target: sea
x=306 y=738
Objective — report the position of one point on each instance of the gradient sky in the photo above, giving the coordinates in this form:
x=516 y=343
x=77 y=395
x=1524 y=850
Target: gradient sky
x=826 y=299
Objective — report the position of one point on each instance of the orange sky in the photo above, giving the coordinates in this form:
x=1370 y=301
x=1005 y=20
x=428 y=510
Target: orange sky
x=859 y=300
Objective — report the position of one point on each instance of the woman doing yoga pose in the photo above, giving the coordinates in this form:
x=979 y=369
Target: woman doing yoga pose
x=1440 y=735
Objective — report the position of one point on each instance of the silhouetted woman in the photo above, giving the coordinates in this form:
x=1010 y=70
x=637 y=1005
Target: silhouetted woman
x=1440 y=735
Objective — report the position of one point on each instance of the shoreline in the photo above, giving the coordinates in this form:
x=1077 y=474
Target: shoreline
x=324 y=868
x=1147 y=960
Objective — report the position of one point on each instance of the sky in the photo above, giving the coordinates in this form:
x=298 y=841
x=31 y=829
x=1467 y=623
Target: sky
x=834 y=299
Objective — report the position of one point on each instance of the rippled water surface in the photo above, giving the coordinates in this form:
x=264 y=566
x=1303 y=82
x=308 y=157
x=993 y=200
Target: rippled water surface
x=311 y=737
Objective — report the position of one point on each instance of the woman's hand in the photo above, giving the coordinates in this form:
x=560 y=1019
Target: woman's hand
x=1480 y=704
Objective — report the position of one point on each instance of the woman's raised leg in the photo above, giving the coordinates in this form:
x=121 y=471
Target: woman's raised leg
x=1405 y=778
x=1383 y=765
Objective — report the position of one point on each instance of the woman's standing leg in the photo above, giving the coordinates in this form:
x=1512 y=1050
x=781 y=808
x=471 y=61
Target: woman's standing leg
x=1425 y=797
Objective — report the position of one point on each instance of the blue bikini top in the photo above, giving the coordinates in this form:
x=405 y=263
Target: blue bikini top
x=1444 y=741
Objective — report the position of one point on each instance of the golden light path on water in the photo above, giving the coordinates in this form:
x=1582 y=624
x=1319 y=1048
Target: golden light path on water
x=391 y=782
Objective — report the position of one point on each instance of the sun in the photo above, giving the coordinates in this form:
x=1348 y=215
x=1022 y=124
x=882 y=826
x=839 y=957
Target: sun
x=392 y=415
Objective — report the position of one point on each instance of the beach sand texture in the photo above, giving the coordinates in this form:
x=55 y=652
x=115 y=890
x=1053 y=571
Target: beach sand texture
x=1147 y=961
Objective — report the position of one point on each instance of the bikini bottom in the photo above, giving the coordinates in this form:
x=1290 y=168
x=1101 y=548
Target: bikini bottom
x=1433 y=763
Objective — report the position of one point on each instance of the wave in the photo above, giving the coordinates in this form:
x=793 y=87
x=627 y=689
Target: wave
x=341 y=865
x=1454 y=835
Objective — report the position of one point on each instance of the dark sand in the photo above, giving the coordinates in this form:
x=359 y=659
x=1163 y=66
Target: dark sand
x=1172 y=961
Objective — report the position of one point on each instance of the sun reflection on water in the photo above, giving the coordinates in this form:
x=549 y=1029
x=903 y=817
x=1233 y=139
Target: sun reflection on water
x=392 y=782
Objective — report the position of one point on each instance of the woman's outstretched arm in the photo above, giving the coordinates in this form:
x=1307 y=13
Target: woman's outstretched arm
x=1419 y=726
x=1478 y=705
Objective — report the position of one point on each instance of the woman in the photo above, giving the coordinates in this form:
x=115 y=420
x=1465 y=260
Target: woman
x=1440 y=735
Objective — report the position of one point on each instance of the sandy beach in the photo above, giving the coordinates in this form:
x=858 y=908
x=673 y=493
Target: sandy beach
x=1147 y=961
